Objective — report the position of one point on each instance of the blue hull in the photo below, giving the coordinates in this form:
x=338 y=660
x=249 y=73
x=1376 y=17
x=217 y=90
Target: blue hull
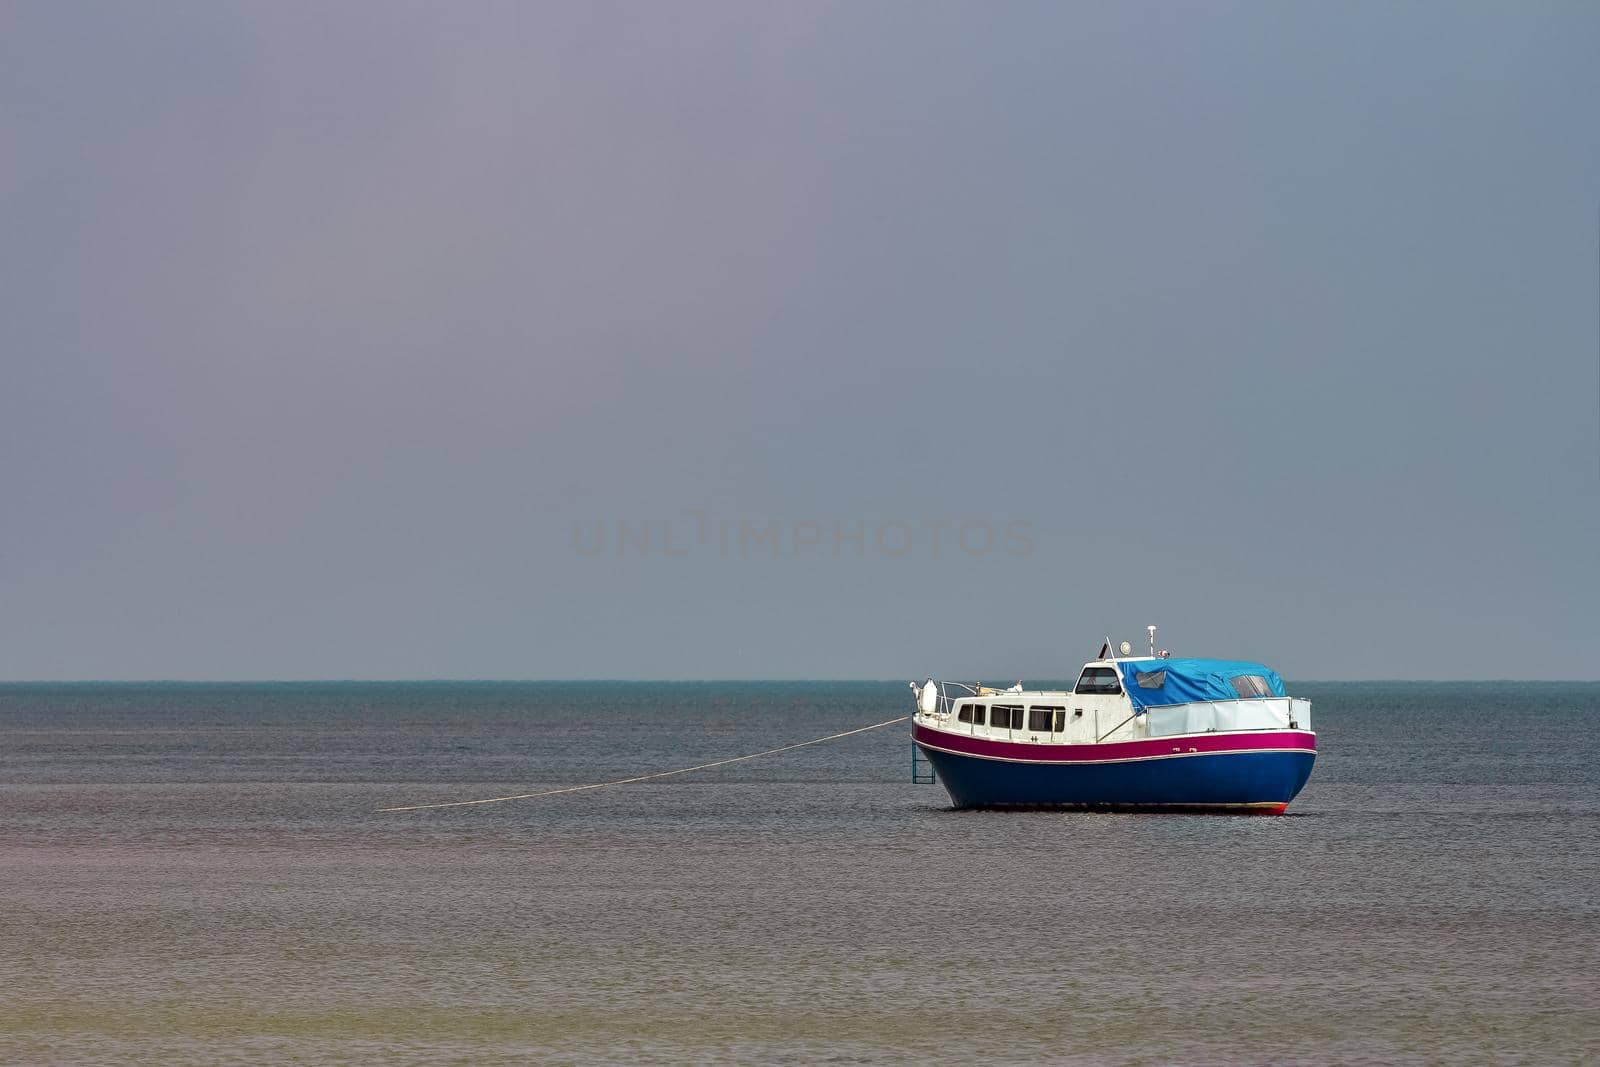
x=1260 y=781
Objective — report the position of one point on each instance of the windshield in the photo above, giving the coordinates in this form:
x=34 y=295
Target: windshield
x=1098 y=680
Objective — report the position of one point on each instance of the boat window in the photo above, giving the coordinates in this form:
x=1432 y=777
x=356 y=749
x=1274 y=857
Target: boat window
x=1251 y=685
x=1098 y=680
x=1007 y=718
x=969 y=713
x=1046 y=720
x=1150 y=679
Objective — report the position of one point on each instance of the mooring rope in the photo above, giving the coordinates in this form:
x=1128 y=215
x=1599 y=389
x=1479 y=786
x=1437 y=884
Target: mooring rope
x=647 y=777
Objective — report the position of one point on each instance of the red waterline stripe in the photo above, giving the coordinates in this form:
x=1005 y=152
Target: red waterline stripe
x=1249 y=807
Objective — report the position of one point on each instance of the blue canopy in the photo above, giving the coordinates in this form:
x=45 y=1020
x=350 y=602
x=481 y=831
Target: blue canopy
x=1151 y=683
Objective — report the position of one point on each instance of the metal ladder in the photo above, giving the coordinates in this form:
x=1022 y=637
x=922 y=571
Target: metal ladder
x=922 y=772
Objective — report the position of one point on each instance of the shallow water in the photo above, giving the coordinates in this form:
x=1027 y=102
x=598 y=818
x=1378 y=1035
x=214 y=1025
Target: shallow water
x=196 y=874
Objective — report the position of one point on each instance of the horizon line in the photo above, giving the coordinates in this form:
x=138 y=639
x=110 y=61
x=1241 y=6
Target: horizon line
x=671 y=681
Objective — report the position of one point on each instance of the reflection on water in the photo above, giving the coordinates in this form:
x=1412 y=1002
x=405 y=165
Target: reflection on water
x=197 y=874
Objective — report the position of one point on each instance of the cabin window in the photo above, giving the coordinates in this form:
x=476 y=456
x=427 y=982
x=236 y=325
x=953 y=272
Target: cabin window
x=1251 y=685
x=965 y=714
x=1150 y=679
x=1098 y=680
x=1007 y=718
x=1046 y=720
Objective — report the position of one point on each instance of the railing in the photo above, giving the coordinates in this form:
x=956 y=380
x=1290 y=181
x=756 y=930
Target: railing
x=943 y=706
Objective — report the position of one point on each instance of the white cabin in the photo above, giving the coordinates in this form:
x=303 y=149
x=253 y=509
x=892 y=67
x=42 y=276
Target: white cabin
x=1169 y=698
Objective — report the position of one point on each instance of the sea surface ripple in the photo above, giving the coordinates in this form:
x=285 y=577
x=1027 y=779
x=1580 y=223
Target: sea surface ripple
x=196 y=874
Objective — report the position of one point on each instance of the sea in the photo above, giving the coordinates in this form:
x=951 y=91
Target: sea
x=201 y=874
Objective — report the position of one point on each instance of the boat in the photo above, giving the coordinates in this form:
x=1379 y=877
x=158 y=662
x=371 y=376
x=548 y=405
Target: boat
x=1134 y=733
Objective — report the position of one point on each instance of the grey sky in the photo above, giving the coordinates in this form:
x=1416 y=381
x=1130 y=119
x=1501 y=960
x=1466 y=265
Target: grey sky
x=326 y=327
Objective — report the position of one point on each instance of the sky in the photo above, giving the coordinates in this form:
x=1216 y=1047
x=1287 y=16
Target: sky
x=804 y=340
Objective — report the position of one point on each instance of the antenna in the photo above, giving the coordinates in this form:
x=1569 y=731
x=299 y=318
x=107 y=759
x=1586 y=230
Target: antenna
x=1152 y=631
